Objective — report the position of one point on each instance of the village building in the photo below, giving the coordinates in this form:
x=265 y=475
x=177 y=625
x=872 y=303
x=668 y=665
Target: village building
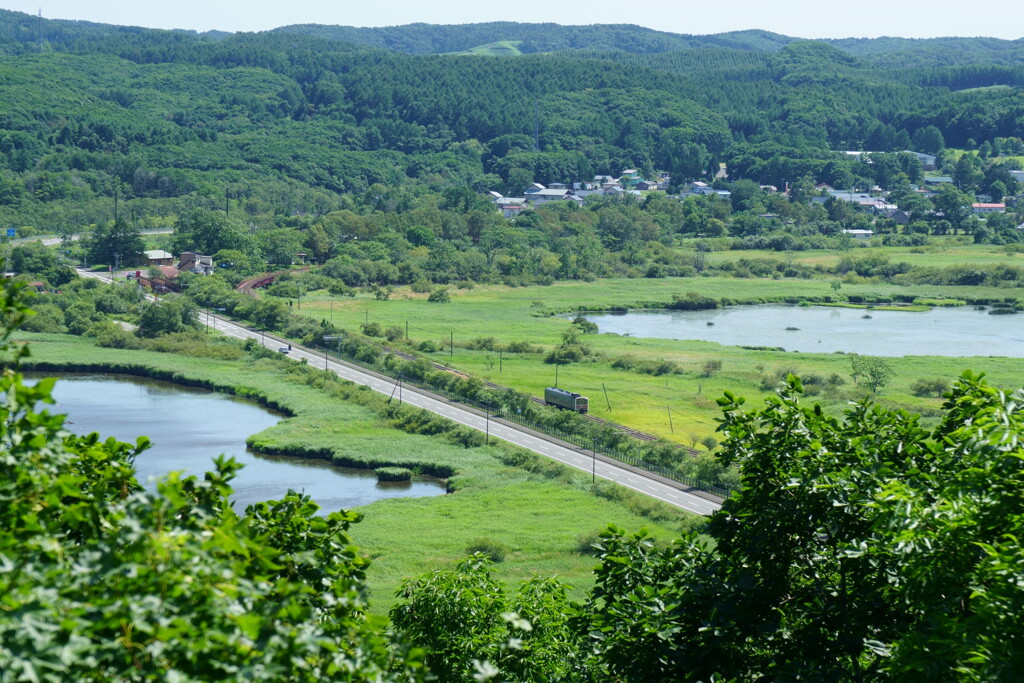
x=195 y=263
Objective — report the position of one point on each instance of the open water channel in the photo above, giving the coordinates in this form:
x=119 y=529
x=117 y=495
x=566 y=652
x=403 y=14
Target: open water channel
x=954 y=332
x=190 y=427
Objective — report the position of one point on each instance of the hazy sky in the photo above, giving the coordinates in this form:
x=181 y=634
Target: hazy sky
x=801 y=18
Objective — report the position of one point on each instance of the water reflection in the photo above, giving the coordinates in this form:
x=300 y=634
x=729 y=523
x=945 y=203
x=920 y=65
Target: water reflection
x=189 y=427
x=954 y=332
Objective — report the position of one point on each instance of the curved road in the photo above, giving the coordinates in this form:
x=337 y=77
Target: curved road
x=585 y=460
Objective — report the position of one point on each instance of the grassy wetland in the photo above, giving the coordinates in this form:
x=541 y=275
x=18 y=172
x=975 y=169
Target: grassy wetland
x=536 y=515
x=474 y=331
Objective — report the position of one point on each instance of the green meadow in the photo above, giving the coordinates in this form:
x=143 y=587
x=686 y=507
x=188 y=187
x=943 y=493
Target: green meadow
x=938 y=254
x=540 y=515
x=640 y=400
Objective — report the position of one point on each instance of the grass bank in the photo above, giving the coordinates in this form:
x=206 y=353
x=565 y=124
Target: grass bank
x=537 y=510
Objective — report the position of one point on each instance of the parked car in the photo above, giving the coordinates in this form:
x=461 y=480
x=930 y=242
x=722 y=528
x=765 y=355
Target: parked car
x=284 y=349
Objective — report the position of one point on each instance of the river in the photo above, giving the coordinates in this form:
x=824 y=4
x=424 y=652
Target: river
x=189 y=427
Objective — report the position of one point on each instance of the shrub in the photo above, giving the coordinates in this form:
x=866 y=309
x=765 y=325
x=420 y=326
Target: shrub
x=483 y=344
x=586 y=327
x=372 y=329
x=339 y=288
x=427 y=346
x=585 y=543
x=522 y=347
x=710 y=368
x=394 y=333
x=440 y=296
x=494 y=550
x=393 y=474
x=422 y=287
x=929 y=388
x=692 y=301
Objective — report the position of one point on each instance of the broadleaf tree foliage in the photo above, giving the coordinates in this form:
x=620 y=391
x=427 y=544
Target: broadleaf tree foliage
x=857 y=549
x=102 y=580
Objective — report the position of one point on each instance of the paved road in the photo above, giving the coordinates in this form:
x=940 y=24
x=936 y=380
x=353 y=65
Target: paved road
x=574 y=457
x=51 y=241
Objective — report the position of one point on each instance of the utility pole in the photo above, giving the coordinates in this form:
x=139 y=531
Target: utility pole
x=327 y=339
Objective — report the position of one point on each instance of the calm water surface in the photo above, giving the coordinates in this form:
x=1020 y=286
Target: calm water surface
x=955 y=332
x=189 y=427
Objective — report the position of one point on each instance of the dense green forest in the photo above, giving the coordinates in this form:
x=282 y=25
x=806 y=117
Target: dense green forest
x=313 y=142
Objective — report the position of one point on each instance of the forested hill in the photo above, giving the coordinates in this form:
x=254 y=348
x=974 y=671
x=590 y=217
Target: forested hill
x=290 y=120
x=423 y=39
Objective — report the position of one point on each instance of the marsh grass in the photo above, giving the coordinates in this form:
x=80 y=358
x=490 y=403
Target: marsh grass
x=530 y=504
x=635 y=381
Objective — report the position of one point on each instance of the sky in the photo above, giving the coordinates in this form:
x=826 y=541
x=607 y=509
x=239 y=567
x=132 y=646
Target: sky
x=799 y=18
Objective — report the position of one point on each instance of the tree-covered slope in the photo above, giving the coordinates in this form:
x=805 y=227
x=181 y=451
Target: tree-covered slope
x=94 y=110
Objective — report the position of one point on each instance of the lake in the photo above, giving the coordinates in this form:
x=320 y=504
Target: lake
x=189 y=427
x=955 y=332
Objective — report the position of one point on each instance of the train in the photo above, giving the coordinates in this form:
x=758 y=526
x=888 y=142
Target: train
x=566 y=400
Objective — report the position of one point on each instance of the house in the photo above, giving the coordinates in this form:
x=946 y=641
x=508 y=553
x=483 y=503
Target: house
x=863 y=201
x=195 y=263
x=1018 y=176
x=698 y=187
x=546 y=195
x=511 y=207
x=533 y=188
x=647 y=185
x=630 y=179
x=859 y=234
x=899 y=216
x=938 y=180
x=982 y=208
x=158 y=257
x=927 y=160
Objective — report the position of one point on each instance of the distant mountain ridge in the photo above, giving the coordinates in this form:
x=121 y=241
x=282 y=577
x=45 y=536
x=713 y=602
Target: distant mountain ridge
x=20 y=32
x=423 y=39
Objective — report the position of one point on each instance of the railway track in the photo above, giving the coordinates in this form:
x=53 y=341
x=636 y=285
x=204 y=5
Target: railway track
x=246 y=287
x=634 y=433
